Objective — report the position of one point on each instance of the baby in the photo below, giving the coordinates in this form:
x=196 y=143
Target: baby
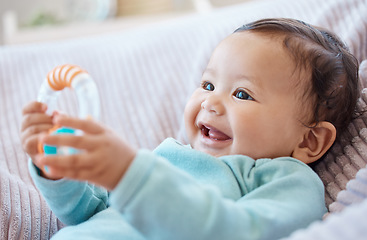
x=274 y=96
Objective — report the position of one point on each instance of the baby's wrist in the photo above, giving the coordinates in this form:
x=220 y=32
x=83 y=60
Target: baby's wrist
x=123 y=167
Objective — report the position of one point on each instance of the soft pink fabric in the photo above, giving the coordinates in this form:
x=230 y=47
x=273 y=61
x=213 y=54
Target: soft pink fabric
x=144 y=77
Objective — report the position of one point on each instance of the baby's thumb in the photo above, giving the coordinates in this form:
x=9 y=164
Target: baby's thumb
x=58 y=113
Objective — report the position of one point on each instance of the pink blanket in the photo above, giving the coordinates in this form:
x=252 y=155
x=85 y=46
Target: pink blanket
x=144 y=77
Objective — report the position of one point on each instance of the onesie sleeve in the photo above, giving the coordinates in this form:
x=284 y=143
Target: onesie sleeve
x=72 y=202
x=163 y=202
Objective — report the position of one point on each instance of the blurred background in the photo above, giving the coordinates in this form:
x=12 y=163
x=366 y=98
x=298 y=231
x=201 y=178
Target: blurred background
x=23 y=21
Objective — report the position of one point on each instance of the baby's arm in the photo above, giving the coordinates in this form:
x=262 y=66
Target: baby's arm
x=73 y=202
x=163 y=202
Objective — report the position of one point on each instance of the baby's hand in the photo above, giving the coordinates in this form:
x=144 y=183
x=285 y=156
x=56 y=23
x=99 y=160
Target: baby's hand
x=35 y=122
x=103 y=158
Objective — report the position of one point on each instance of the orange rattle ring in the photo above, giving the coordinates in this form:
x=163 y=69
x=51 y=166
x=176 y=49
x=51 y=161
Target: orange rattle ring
x=77 y=79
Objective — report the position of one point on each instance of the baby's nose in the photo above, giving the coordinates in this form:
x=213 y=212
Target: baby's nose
x=213 y=104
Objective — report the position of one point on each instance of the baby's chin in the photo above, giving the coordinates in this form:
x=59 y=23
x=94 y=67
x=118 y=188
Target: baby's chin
x=212 y=152
x=225 y=152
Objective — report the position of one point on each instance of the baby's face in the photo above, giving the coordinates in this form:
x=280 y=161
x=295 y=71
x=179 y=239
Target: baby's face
x=247 y=103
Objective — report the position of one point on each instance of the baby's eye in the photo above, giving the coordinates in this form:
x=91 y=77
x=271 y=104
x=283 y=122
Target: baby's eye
x=241 y=94
x=207 y=86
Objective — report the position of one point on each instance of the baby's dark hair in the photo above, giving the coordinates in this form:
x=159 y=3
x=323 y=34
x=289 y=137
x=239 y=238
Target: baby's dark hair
x=334 y=70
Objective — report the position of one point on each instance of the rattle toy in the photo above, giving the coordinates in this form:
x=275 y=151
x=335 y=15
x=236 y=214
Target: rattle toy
x=75 y=78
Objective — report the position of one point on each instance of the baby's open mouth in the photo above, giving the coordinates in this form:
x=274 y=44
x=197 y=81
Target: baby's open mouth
x=213 y=133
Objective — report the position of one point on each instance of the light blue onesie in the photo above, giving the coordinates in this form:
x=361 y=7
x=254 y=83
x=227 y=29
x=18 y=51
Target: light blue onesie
x=177 y=193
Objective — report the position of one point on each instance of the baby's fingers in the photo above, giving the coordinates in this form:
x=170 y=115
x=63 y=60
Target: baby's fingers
x=37 y=161
x=70 y=166
x=34 y=119
x=80 y=142
x=34 y=107
x=87 y=126
x=30 y=144
x=30 y=136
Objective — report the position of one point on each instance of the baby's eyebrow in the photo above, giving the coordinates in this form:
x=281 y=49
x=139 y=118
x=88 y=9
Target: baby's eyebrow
x=240 y=77
x=243 y=77
x=248 y=78
x=209 y=71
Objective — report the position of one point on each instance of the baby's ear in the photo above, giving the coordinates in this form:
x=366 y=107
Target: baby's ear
x=316 y=141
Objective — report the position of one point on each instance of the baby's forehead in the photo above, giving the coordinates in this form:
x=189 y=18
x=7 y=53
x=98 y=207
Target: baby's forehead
x=278 y=48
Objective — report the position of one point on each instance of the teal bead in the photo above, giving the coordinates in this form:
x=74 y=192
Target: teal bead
x=53 y=150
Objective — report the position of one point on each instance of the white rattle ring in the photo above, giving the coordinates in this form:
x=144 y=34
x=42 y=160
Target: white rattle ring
x=77 y=79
